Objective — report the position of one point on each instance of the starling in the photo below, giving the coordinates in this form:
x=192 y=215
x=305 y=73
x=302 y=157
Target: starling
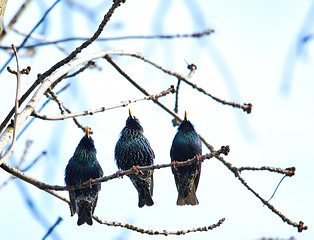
x=83 y=166
x=134 y=150
x=186 y=145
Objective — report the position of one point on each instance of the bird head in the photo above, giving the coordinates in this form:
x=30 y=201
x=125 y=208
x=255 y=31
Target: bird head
x=186 y=125
x=87 y=142
x=133 y=123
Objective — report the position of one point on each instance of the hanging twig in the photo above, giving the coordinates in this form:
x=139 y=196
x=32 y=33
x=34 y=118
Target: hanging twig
x=9 y=152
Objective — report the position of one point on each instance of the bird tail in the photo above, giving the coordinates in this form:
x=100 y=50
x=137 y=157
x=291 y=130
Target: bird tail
x=145 y=198
x=144 y=185
x=84 y=213
x=187 y=198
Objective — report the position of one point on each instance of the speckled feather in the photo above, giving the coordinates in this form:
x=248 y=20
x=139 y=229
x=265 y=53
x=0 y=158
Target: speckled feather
x=82 y=167
x=133 y=149
x=186 y=145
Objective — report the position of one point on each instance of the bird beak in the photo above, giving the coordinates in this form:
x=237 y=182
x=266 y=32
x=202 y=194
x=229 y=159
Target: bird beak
x=130 y=114
x=185 y=118
x=87 y=131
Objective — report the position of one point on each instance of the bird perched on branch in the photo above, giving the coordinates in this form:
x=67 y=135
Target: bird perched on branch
x=134 y=150
x=186 y=145
x=82 y=167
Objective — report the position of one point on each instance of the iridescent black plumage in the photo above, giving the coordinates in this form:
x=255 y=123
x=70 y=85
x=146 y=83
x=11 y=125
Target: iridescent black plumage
x=82 y=167
x=186 y=145
x=133 y=149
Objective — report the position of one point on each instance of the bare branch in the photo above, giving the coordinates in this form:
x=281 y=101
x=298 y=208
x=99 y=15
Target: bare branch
x=9 y=152
x=34 y=161
x=154 y=232
x=50 y=81
x=82 y=69
x=64 y=61
x=233 y=169
x=43 y=186
x=28 y=144
x=3 y=4
x=192 y=69
x=192 y=35
x=246 y=107
x=288 y=171
x=102 y=109
x=14 y=19
x=36 y=26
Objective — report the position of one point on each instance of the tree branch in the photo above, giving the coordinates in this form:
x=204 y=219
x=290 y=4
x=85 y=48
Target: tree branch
x=233 y=169
x=47 y=188
x=246 y=107
x=36 y=26
x=154 y=232
x=288 y=171
x=102 y=109
x=65 y=60
x=14 y=19
x=18 y=74
x=43 y=186
x=52 y=228
x=187 y=35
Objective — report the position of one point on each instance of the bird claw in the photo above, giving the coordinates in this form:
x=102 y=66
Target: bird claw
x=90 y=182
x=136 y=169
x=118 y=173
x=197 y=162
x=173 y=163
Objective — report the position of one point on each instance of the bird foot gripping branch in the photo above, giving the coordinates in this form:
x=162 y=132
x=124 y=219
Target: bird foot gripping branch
x=174 y=165
x=136 y=170
x=118 y=173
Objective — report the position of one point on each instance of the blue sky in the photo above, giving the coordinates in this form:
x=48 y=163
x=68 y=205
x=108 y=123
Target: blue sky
x=253 y=53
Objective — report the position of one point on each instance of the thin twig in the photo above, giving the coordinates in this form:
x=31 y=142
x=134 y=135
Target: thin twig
x=200 y=34
x=52 y=228
x=41 y=38
x=154 y=232
x=276 y=188
x=54 y=97
x=246 y=107
x=9 y=152
x=288 y=171
x=102 y=109
x=41 y=77
x=82 y=69
x=28 y=144
x=14 y=19
x=27 y=37
x=77 y=123
x=34 y=161
x=40 y=109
